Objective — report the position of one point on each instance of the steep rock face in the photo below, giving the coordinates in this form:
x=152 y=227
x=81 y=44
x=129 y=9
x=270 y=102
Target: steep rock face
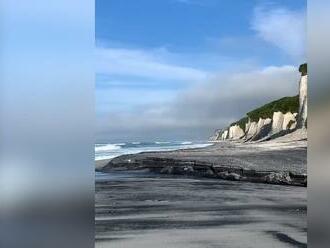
x=262 y=123
x=252 y=130
x=263 y=129
x=247 y=126
x=235 y=132
x=277 y=122
x=224 y=135
x=264 y=126
x=221 y=134
x=302 y=120
x=289 y=121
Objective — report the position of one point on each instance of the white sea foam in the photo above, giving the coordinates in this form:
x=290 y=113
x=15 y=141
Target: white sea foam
x=109 y=151
x=162 y=142
x=105 y=157
x=108 y=147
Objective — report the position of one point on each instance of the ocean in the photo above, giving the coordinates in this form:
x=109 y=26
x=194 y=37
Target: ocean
x=111 y=150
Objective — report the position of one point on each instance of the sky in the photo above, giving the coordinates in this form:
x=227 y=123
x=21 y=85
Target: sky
x=179 y=69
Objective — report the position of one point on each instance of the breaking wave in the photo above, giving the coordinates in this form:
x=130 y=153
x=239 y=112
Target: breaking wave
x=108 y=147
x=186 y=143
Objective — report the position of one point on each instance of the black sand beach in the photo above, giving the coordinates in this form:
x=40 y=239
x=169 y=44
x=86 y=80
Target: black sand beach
x=178 y=199
x=134 y=209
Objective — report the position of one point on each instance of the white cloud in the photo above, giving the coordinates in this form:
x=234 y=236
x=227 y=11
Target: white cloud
x=283 y=28
x=144 y=63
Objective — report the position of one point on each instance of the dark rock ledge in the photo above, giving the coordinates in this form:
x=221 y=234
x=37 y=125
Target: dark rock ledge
x=205 y=169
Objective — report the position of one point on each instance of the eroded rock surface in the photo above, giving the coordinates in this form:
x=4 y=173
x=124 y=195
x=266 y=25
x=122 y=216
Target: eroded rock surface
x=267 y=162
x=235 y=132
x=302 y=120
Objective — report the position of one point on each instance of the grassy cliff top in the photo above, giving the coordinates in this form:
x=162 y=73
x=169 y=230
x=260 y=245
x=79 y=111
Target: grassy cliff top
x=284 y=105
x=241 y=122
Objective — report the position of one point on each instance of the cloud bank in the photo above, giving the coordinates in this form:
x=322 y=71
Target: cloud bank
x=143 y=63
x=196 y=112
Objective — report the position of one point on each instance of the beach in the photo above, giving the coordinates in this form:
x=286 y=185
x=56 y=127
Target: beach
x=279 y=161
x=228 y=194
x=138 y=209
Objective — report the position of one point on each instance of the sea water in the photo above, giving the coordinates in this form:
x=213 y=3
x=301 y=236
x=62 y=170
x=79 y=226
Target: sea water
x=111 y=150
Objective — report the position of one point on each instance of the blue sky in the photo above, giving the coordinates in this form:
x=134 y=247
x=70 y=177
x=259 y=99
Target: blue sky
x=155 y=58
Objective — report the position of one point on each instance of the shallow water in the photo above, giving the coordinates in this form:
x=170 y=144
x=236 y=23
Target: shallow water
x=146 y=210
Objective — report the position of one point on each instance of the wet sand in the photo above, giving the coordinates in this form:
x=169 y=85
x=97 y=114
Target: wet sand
x=149 y=210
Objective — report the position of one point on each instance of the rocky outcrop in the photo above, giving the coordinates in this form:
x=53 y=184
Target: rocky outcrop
x=224 y=134
x=205 y=169
x=251 y=130
x=282 y=122
x=289 y=121
x=235 y=132
x=302 y=120
x=221 y=134
x=263 y=129
x=277 y=122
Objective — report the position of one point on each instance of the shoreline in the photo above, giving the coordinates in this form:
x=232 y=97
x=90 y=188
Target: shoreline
x=279 y=161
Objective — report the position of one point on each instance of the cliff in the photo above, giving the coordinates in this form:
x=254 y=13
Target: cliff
x=302 y=118
x=273 y=119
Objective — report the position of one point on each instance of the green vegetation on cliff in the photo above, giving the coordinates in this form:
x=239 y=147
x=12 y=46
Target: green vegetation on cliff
x=284 y=105
x=303 y=69
x=241 y=123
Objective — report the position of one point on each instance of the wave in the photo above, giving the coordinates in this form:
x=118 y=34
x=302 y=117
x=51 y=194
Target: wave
x=108 y=147
x=105 y=157
x=162 y=142
x=109 y=151
x=136 y=143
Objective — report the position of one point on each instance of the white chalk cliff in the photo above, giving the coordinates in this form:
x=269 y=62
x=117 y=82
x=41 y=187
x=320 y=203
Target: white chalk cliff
x=235 y=132
x=263 y=127
x=224 y=135
x=302 y=121
x=280 y=123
